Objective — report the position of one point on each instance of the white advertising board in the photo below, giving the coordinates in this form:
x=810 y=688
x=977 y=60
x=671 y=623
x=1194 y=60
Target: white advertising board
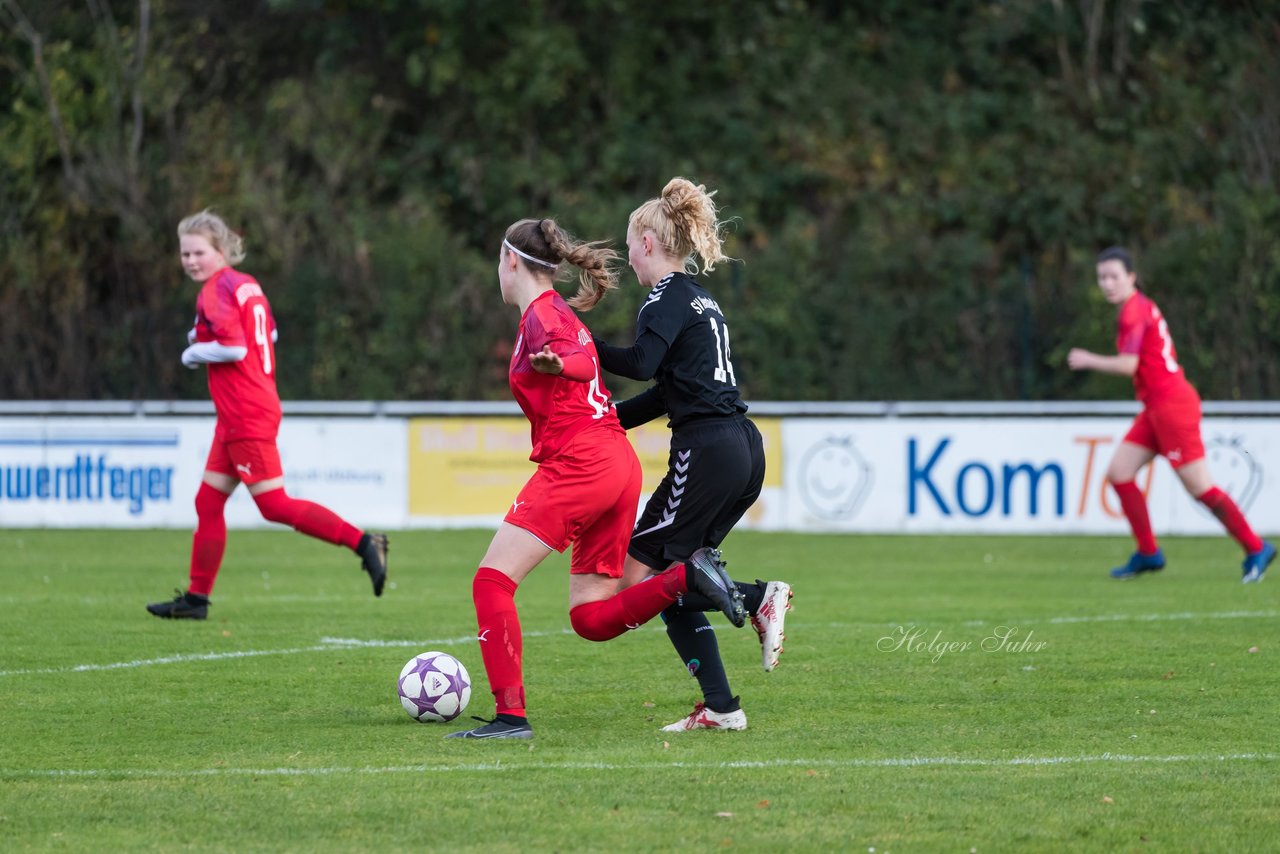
x=1008 y=475
x=981 y=475
x=144 y=473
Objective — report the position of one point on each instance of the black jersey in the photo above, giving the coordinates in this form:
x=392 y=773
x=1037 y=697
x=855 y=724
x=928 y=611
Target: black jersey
x=696 y=377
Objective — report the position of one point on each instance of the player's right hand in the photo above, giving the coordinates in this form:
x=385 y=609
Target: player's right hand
x=191 y=335
x=546 y=361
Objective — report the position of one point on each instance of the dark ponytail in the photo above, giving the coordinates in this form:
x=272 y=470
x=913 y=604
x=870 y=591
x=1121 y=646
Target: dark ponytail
x=1119 y=253
x=1116 y=253
x=549 y=245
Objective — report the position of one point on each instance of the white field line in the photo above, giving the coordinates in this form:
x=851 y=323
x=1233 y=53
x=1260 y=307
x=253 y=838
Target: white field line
x=1129 y=618
x=331 y=644
x=507 y=767
x=325 y=645
x=168 y=659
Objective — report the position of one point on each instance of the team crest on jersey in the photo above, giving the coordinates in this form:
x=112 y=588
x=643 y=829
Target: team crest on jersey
x=584 y=337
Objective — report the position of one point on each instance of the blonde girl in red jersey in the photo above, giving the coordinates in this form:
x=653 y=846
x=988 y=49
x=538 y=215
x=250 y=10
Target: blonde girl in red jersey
x=586 y=488
x=1168 y=425
x=234 y=336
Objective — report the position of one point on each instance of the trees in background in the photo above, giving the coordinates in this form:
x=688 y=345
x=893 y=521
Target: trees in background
x=917 y=193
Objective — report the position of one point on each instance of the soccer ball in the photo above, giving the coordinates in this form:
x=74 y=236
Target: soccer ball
x=434 y=686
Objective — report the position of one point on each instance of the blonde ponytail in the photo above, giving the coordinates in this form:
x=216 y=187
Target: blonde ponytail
x=684 y=220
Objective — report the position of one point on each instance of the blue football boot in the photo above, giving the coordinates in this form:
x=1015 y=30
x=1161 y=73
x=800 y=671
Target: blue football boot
x=1256 y=564
x=1139 y=564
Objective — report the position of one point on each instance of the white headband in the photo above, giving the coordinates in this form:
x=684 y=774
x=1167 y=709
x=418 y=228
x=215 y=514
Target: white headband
x=526 y=256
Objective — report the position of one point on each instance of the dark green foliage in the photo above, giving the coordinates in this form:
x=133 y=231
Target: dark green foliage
x=917 y=192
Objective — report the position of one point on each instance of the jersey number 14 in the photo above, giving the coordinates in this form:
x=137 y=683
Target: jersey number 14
x=724 y=367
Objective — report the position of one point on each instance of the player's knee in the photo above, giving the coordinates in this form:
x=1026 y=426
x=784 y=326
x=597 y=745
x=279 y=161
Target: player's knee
x=275 y=506
x=1119 y=481
x=585 y=619
x=1117 y=476
x=209 y=502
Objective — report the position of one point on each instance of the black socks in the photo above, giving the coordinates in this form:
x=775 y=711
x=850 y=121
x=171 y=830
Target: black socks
x=695 y=641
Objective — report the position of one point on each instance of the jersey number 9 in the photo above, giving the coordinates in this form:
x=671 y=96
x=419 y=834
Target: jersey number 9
x=262 y=336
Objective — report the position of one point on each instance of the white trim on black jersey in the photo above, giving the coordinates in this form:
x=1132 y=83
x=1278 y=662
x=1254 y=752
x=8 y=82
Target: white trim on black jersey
x=656 y=293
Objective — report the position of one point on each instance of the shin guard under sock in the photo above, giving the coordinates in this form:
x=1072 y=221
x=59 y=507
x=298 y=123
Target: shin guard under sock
x=501 y=645
x=209 y=542
x=1135 y=510
x=307 y=517
x=210 y=539
x=694 y=638
x=1228 y=513
x=631 y=608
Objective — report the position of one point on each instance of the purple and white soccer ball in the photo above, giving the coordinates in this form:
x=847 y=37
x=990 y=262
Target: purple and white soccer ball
x=434 y=686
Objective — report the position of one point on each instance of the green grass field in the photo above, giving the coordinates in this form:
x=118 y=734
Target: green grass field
x=1128 y=716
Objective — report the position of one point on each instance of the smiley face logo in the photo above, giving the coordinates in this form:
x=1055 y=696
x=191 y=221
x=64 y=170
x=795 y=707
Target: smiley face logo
x=834 y=479
x=1235 y=471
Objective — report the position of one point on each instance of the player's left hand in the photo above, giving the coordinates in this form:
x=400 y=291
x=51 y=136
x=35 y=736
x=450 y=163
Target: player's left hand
x=187 y=358
x=1078 y=359
x=546 y=362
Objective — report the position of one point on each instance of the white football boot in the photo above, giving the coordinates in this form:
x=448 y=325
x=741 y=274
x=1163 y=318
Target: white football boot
x=768 y=620
x=703 y=718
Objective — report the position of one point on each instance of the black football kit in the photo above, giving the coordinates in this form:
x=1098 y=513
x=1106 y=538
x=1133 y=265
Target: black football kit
x=716 y=466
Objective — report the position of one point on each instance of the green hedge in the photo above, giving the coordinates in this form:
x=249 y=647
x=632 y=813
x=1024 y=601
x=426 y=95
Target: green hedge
x=917 y=193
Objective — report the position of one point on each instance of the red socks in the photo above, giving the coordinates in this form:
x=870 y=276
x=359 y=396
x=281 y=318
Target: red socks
x=1218 y=502
x=1135 y=510
x=628 y=609
x=501 y=645
x=308 y=517
x=210 y=539
x=1221 y=505
x=498 y=625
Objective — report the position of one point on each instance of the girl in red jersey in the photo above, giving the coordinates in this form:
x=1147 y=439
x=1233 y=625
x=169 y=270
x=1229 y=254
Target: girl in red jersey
x=1168 y=425
x=234 y=335
x=587 y=484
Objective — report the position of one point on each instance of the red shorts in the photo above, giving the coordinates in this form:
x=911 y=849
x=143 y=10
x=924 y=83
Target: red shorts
x=587 y=496
x=1171 y=429
x=248 y=460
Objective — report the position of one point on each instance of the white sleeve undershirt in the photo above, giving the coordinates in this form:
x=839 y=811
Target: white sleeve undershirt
x=208 y=352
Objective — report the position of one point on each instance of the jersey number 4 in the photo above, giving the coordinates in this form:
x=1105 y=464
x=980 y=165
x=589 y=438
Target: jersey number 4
x=724 y=366
x=598 y=399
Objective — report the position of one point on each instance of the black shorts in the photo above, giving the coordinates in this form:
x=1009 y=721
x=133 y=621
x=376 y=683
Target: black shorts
x=714 y=473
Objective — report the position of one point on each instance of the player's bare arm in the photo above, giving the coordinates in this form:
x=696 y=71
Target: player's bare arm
x=1121 y=364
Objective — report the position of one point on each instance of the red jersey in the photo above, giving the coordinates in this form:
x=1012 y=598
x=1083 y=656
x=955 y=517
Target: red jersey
x=232 y=310
x=557 y=408
x=1143 y=333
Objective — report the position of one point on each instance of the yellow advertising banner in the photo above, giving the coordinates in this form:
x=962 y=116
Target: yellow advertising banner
x=474 y=466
